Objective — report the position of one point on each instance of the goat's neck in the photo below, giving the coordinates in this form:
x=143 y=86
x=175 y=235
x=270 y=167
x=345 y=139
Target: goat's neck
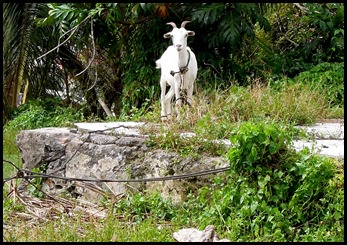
x=183 y=57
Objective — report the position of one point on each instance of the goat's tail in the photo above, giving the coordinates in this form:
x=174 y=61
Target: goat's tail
x=158 y=63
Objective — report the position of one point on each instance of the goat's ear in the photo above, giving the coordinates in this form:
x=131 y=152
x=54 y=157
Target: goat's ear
x=191 y=33
x=167 y=35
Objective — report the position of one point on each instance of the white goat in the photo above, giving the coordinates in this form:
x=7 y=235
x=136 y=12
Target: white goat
x=178 y=69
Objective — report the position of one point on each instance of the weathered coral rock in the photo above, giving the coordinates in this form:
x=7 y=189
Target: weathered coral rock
x=121 y=153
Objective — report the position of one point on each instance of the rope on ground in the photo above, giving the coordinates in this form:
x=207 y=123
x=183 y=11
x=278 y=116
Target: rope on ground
x=30 y=175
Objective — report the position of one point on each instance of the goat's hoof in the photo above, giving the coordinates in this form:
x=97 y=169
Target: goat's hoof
x=163 y=118
x=166 y=118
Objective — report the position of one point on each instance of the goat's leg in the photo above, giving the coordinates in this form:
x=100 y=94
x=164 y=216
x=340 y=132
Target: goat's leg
x=178 y=102
x=167 y=102
x=190 y=94
x=163 y=112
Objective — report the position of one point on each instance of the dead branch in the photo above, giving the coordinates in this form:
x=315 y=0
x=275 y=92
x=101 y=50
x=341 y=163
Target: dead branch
x=302 y=8
x=72 y=30
x=287 y=38
x=93 y=42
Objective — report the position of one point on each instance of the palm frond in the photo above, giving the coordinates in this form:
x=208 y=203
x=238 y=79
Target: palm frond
x=17 y=22
x=24 y=41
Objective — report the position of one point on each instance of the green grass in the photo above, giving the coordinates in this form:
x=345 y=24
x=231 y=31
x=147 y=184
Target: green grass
x=10 y=152
x=77 y=229
x=336 y=112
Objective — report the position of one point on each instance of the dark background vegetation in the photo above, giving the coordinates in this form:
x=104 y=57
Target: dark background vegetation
x=235 y=43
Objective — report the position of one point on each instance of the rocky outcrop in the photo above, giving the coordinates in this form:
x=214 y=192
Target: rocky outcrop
x=116 y=151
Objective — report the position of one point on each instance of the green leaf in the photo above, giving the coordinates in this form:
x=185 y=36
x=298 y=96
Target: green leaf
x=263 y=182
x=337 y=215
x=273 y=148
x=254 y=206
x=64 y=7
x=242 y=199
x=322 y=25
x=65 y=14
x=70 y=15
x=213 y=15
x=280 y=174
x=57 y=13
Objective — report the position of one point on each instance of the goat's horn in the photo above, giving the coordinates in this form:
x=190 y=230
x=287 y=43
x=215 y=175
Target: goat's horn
x=172 y=24
x=184 y=23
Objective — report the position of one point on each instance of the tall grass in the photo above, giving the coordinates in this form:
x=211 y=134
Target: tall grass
x=213 y=113
x=10 y=151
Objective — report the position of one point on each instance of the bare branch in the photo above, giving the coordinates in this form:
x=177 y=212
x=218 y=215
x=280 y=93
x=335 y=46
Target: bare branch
x=285 y=35
x=96 y=79
x=279 y=21
x=174 y=12
x=91 y=60
x=253 y=52
x=57 y=46
x=72 y=30
x=213 y=68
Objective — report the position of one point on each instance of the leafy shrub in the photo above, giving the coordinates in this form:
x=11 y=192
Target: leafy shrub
x=44 y=113
x=35 y=114
x=273 y=193
x=257 y=143
x=327 y=77
x=143 y=206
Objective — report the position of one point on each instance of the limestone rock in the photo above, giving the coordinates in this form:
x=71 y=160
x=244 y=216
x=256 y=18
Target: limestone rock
x=93 y=153
x=194 y=235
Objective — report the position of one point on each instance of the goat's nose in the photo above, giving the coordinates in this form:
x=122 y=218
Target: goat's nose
x=178 y=45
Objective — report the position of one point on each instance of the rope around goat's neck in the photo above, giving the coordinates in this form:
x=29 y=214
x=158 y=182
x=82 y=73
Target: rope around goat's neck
x=183 y=69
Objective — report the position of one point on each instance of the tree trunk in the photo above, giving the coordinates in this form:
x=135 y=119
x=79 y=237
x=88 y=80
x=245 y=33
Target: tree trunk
x=26 y=89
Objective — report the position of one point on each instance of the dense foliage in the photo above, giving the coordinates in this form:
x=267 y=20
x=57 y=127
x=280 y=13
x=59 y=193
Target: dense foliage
x=301 y=38
x=107 y=51
x=271 y=193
